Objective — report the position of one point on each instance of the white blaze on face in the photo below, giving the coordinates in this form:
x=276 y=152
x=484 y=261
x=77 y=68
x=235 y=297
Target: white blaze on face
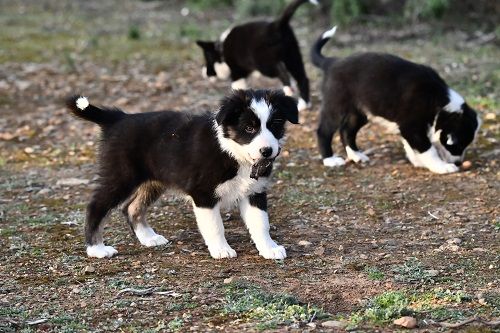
x=264 y=137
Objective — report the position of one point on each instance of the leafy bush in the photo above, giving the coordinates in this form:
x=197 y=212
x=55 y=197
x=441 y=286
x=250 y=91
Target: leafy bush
x=418 y=9
x=345 y=11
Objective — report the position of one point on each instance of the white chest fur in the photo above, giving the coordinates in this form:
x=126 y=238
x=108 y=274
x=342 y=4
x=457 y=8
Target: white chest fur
x=239 y=187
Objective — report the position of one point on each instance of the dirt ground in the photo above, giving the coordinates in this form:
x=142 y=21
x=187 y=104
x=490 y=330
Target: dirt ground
x=366 y=244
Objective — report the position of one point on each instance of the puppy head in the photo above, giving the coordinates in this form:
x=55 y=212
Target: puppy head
x=212 y=57
x=251 y=123
x=454 y=132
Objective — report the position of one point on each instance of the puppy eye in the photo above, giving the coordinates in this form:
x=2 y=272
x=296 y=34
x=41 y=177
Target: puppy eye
x=250 y=129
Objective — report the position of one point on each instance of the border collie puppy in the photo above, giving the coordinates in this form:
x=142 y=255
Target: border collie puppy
x=435 y=122
x=215 y=160
x=269 y=47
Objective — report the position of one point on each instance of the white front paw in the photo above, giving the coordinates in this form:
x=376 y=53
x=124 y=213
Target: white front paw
x=303 y=105
x=155 y=240
x=273 y=252
x=356 y=156
x=101 y=251
x=220 y=252
x=288 y=90
x=444 y=168
x=333 y=161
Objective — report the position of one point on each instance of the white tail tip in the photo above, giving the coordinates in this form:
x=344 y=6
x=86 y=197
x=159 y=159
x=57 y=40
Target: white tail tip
x=314 y=2
x=329 y=33
x=82 y=103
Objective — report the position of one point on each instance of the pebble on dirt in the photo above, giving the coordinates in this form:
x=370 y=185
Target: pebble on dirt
x=407 y=322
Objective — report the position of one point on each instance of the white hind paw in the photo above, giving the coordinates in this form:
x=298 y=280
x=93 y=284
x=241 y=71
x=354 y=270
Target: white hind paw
x=333 y=161
x=101 y=251
x=356 y=156
x=156 y=240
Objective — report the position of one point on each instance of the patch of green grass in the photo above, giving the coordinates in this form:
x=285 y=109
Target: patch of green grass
x=7 y=232
x=497 y=226
x=41 y=219
x=181 y=306
x=175 y=324
x=435 y=304
x=374 y=273
x=385 y=307
x=412 y=271
x=251 y=303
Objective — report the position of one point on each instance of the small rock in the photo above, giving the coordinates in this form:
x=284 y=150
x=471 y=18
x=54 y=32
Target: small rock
x=363 y=256
x=333 y=324
x=228 y=280
x=371 y=211
x=43 y=191
x=479 y=249
x=454 y=241
x=408 y=322
x=466 y=165
x=89 y=269
x=319 y=251
x=432 y=272
x=29 y=150
x=304 y=243
x=72 y=181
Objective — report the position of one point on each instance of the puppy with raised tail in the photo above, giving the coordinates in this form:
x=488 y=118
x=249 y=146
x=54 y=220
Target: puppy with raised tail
x=436 y=123
x=215 y=160
x=269 y=47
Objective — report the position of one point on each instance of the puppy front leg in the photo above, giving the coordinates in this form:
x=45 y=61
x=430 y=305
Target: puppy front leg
x=212 y=230
x=422 y=153
x=254 y=214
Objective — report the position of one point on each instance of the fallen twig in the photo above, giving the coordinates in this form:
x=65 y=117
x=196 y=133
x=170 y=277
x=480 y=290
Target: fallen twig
x=148 y=291
x=140 y=292
x=36 y=321
x=459 y=324
x=433 y=216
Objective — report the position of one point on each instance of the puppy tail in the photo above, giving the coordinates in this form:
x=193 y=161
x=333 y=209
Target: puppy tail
x=104 y=117
x=287 y=14
x=317 y=58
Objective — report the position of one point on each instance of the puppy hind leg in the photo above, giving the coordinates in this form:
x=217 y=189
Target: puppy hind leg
x=103 y=200
x=135 y=211
x=295 y=66
x=284 y=78
x=349 y=128
x=327 y=128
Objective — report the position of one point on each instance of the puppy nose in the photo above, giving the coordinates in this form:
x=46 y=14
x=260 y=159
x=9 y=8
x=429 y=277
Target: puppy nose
x=266 y=151
x=458 y=163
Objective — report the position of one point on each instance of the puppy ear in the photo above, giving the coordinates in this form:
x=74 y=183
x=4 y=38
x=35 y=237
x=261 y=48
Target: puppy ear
x=231 y=107
x=206 y=45
x=286 y=105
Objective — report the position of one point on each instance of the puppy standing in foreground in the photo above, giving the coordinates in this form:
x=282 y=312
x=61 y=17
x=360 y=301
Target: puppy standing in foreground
x=435 y=122
x=269 y=47
x=216 y=160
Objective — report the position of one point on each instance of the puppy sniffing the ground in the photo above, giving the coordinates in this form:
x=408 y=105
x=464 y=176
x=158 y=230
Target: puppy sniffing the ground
x=269 y=47
x=215 y=160
x=436 y=123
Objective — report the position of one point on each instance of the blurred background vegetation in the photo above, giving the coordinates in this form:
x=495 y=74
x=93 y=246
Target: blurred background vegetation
x=357 y=11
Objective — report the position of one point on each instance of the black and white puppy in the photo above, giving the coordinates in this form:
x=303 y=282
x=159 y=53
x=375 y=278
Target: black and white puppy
x=215 y=160
x=435 y=122
x=269 y=47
